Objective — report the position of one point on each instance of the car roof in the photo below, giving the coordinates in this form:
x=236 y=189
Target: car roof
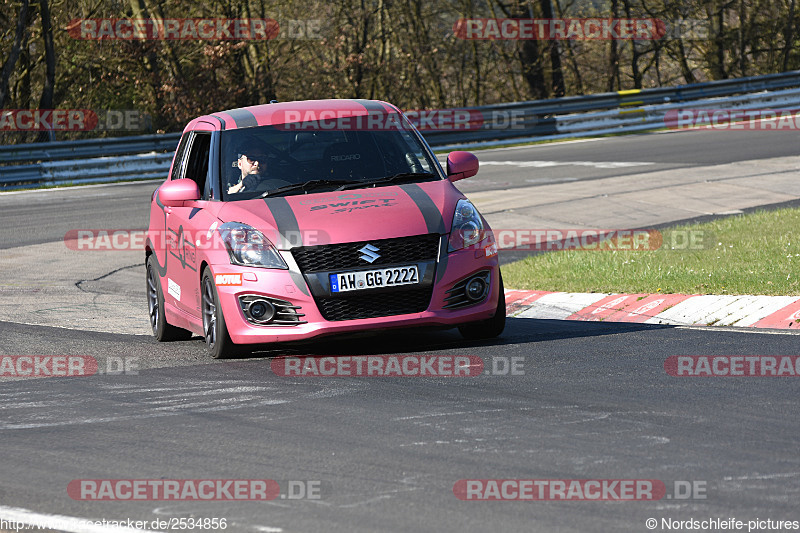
x=283 y=112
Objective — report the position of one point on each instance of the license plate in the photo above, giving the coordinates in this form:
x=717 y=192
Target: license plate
x=373 y=279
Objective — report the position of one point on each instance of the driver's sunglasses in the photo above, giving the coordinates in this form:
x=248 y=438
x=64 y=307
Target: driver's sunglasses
x=254 y=158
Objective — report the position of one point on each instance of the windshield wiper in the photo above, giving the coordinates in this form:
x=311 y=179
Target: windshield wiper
x=395 y=178
x=310 y=185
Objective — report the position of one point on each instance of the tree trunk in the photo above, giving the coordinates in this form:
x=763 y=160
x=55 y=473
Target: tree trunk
x=557 y=76
x=11 y=61
x=530 y=59
x=433 y=68
x=742 y=39
x=788 y=36
x=572 y=61
x=151 y=66
x=637 y=76
x=22 y=89
x=717 y=54
x=613 y=59
x=360 y=21
x=46 y=102
x=262 y=83
x=686 y=70
x=721 y=43
x=176 y=71
x=376 y=87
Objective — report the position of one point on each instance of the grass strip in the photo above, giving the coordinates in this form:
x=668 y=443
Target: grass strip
x=755 y=253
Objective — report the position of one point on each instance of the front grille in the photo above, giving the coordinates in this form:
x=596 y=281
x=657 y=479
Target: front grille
x=374 y=305
x=332 y=257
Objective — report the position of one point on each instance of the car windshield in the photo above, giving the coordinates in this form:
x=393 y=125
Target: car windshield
x=305 y=157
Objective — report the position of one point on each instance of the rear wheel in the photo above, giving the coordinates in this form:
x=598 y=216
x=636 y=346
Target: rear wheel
x=218 y=341
x=492 y=327
x=162 y=330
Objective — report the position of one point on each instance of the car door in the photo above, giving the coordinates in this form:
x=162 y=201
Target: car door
x=188 y=225
x=158 y=212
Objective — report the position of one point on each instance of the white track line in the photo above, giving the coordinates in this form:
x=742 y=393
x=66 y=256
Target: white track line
x=734 y=329
x=69 y=524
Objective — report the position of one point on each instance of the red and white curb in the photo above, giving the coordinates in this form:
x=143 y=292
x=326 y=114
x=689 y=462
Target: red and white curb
x=774 y=312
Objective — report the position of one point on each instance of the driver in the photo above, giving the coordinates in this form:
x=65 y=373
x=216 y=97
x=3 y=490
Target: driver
x=252 y=165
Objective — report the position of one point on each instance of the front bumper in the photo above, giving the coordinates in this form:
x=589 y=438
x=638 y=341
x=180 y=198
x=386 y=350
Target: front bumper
x=291 y=287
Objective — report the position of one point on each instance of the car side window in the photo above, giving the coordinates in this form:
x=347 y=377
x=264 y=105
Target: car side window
x=180 y=156
x=197 y=162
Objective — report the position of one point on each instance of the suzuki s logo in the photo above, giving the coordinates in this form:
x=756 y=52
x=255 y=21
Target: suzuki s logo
x=370 y=253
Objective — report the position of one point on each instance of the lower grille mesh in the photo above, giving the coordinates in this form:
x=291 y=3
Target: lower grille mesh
x=375 y=305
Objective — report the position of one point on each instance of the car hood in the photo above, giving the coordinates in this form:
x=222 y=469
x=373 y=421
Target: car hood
x=349 y=216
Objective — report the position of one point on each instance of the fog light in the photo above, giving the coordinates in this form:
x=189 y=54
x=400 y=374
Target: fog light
x=476 y=289
x=261 y=310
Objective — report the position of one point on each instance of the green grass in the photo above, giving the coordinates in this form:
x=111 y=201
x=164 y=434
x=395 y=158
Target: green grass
x=757 y=253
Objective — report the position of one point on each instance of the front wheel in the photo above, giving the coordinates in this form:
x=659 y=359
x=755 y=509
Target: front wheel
x=218 y=341
x=163 y=331
x=492 y=327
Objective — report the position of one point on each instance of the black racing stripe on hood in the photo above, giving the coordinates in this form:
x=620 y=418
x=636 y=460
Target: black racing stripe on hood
x=285 y=220
x=431 y=214
x=243 y=118
x=221 y=122
x=286 y=224
x=433 y=219
x=443 y=257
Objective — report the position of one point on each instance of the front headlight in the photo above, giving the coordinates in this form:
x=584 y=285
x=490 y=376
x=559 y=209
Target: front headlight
x=249 y=247
x=468 y=228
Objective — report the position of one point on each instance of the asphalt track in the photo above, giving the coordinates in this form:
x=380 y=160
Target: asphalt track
x=594 y=401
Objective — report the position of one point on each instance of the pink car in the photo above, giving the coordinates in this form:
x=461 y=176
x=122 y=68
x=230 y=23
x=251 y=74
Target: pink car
x=289 y=221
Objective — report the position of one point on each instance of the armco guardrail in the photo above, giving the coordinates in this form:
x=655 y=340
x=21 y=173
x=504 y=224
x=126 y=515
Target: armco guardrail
x=149 y=156
x=543 y=119
x=652 y=116
x=87 y=161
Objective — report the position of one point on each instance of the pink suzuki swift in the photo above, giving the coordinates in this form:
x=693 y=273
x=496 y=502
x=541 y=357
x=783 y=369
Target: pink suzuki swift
x=288 y=221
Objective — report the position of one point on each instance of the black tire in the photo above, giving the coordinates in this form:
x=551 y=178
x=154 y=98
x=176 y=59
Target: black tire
x=492 y=327
x=163 y=331
x=218 y=341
